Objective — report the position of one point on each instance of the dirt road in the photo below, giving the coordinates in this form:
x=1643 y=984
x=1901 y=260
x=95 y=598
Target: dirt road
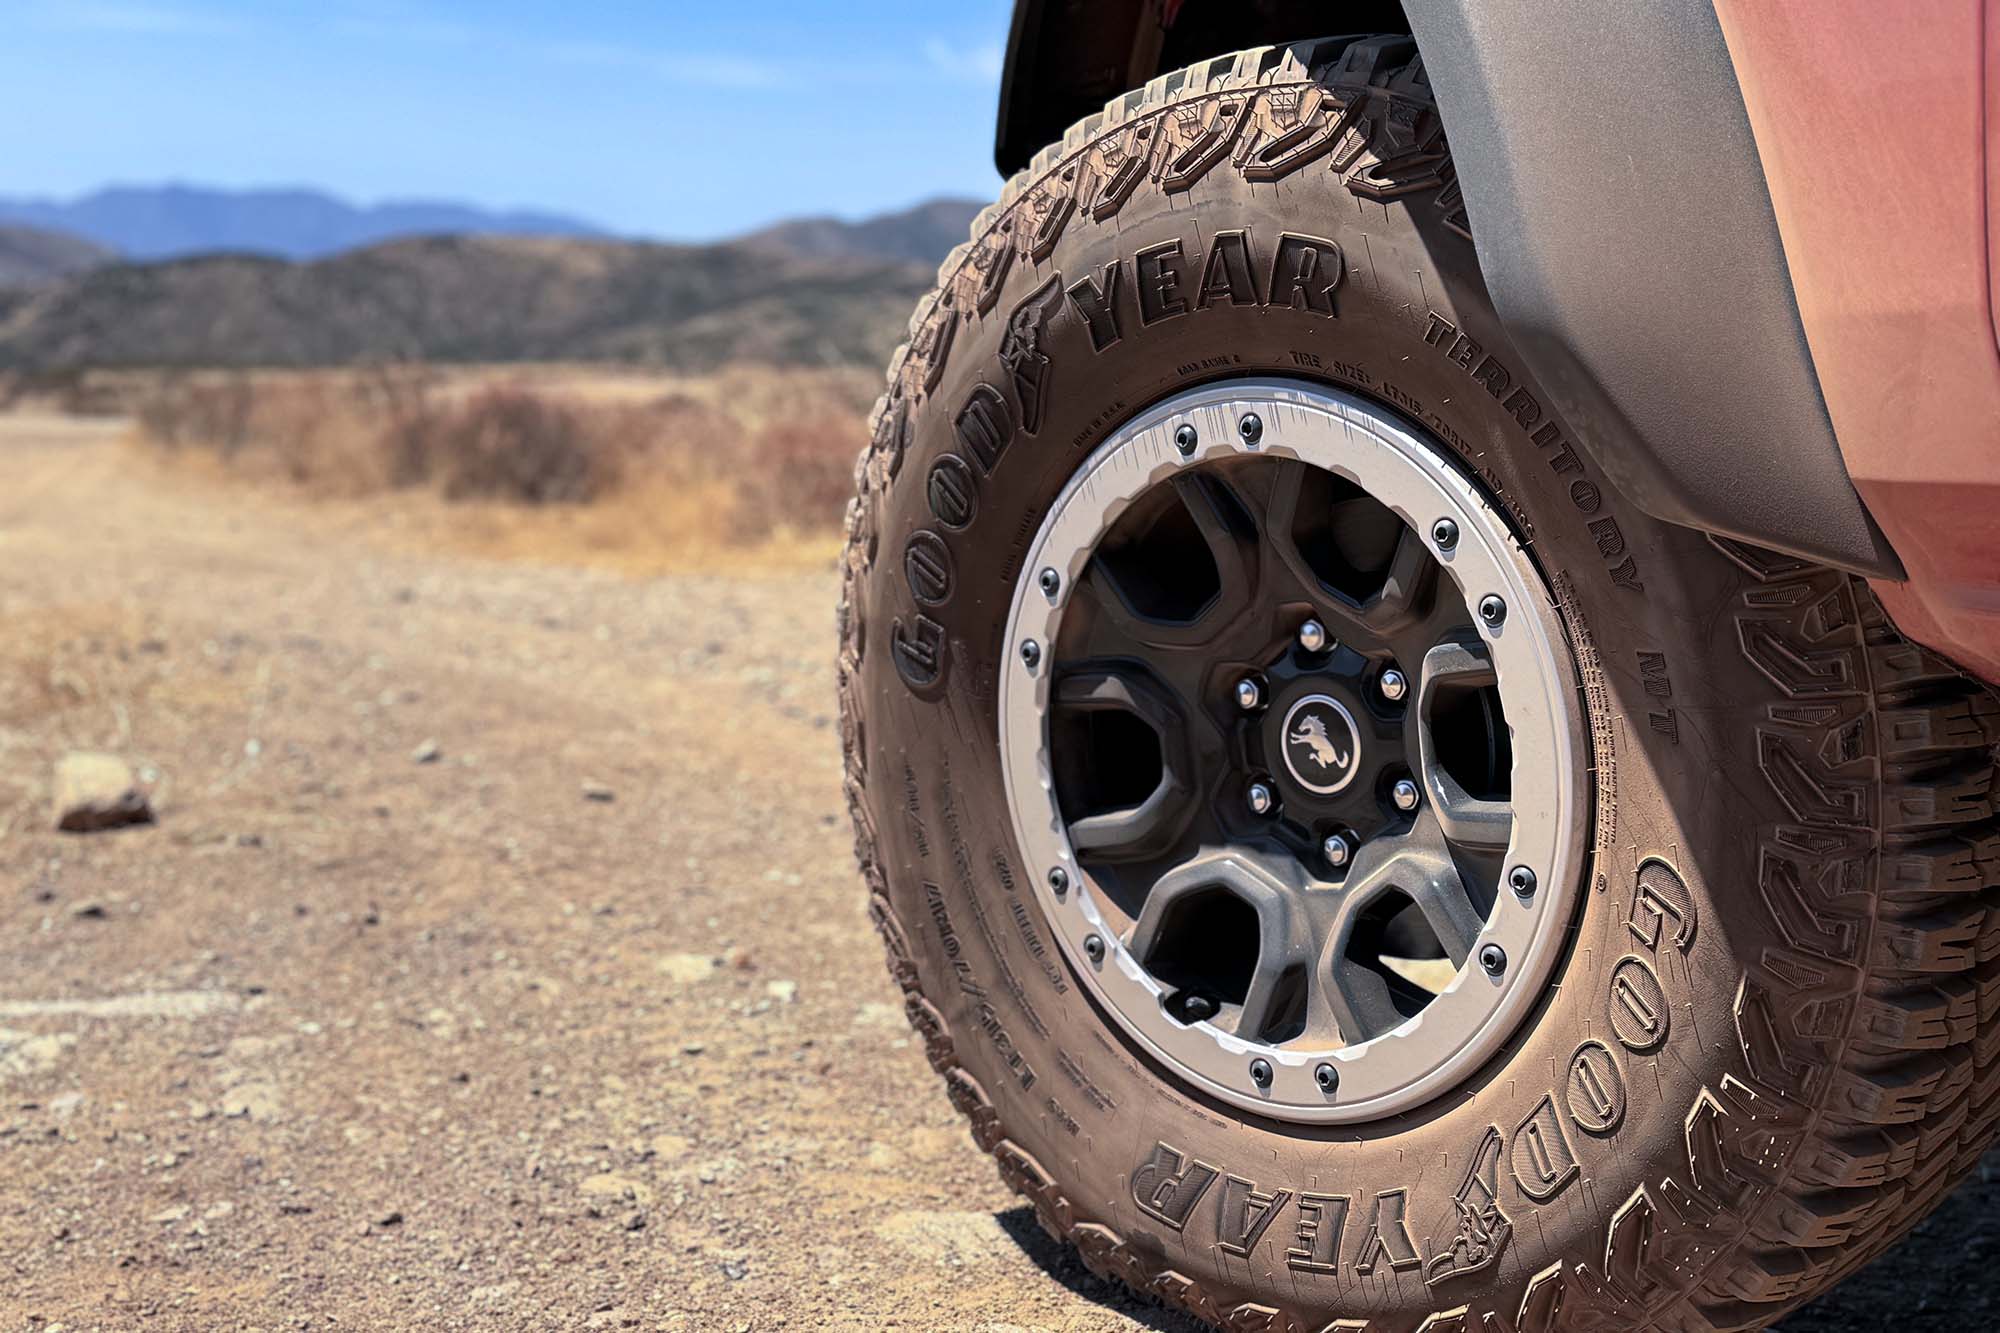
x=496 y=962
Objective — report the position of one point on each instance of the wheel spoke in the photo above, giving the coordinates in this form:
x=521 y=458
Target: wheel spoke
x=1408 y=582
x=1211 y=504
x=1406 y=591
x=1208 y=506
x=1281 y=505
x=1362 y=1004
x=1272 y=889
x=1458 y=662
x=1151 y=826
x=1466 y=820
x=1418 y=866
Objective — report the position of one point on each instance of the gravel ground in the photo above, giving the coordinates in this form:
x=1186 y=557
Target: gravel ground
x=496 y=960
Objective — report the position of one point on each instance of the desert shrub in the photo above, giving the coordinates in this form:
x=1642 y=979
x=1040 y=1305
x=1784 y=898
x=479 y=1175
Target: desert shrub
x=797 y=474
x=734 y=458
x=213 y=413
x=506 y=443
x=92 y=396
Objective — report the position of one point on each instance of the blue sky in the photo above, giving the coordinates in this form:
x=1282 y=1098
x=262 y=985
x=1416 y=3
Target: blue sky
x=683 y=120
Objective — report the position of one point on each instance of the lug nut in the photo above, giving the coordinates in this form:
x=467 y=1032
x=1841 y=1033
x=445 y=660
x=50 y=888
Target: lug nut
x=1031 y=653
x=1059 y=881
x=1312 y=636
x=1251 y=429
x=1445 y=533
x=1494 y=959
x=1404 y=794
x=1260 y=798
x=1492 y=610
x=1185 y=439
x=1093 y=948
x=1327 y=1077
x=1051 y=582
x=1336 y=850
x=1522 y=881
x=1248 y=695
x=1394 y=687
x=1260 y=1072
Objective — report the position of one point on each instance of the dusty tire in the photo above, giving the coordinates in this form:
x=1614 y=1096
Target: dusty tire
x=1770 y=1047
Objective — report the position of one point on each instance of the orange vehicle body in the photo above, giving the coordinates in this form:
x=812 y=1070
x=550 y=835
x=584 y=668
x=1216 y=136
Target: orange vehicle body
x=1879 y=129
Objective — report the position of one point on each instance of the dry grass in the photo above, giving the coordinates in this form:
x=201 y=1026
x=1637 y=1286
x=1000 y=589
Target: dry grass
x=621 y=468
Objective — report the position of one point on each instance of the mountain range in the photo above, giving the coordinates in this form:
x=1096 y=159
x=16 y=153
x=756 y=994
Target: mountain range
x=175 y=221
x=170 y=221
x=32 y=257
x=924 y=234
x=470 y=298
x=813 y=292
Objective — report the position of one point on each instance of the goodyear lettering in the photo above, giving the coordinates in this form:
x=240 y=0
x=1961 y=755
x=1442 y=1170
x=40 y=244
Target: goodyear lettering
x=1160 y=270
x=1167 y=1186
x=1226 y=277
x=1243 y=1214
x=1316 y=1235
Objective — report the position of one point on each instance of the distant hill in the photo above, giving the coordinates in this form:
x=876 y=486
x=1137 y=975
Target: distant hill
x=161 y=222
x=471 y=298
x=179 y=221
x=34 y=257
x=924 y=234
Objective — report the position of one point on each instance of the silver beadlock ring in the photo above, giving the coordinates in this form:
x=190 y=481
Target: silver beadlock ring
x=1473 y=1016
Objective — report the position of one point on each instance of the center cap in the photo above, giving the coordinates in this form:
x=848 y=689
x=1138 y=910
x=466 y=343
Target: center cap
x=1322 y=747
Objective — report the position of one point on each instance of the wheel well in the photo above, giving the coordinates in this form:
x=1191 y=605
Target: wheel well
x=1067 y=58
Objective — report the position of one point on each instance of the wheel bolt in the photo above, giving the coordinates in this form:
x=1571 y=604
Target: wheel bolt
x=1327 y=1077
x=1494 y=959
x=1251 y=429
x=1492 y=610
x=1185 y=439
x=1394 y=687
x=1260 y=798
x=1521 y=880
x=1312 y=636
x=1051 y=582
x=1031 y=653
x=1260 y=1072
x=1059 y=881
x=1445 y=533
x=1336 y=850
x=1093 y=948
x=1248 y=695
x=1404 y=794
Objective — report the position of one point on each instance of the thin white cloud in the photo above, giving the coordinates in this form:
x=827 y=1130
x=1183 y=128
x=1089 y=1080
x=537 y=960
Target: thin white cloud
x=974 y=64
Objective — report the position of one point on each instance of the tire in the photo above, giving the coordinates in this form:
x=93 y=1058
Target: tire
x=1769 y=1048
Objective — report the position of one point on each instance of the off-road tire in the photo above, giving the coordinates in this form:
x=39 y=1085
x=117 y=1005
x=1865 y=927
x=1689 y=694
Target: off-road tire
x=1771 y=1047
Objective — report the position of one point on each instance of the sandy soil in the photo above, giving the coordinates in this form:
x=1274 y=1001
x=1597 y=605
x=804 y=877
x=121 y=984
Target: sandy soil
x=496 y=962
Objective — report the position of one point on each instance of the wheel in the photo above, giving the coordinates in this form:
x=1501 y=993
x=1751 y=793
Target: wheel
x=1351 y=870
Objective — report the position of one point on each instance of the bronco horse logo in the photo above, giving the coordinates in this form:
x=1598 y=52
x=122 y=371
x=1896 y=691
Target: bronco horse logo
x=1312 y=735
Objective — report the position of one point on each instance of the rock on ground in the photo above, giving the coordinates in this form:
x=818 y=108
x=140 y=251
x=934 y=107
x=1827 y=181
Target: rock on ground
x=97 y=791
